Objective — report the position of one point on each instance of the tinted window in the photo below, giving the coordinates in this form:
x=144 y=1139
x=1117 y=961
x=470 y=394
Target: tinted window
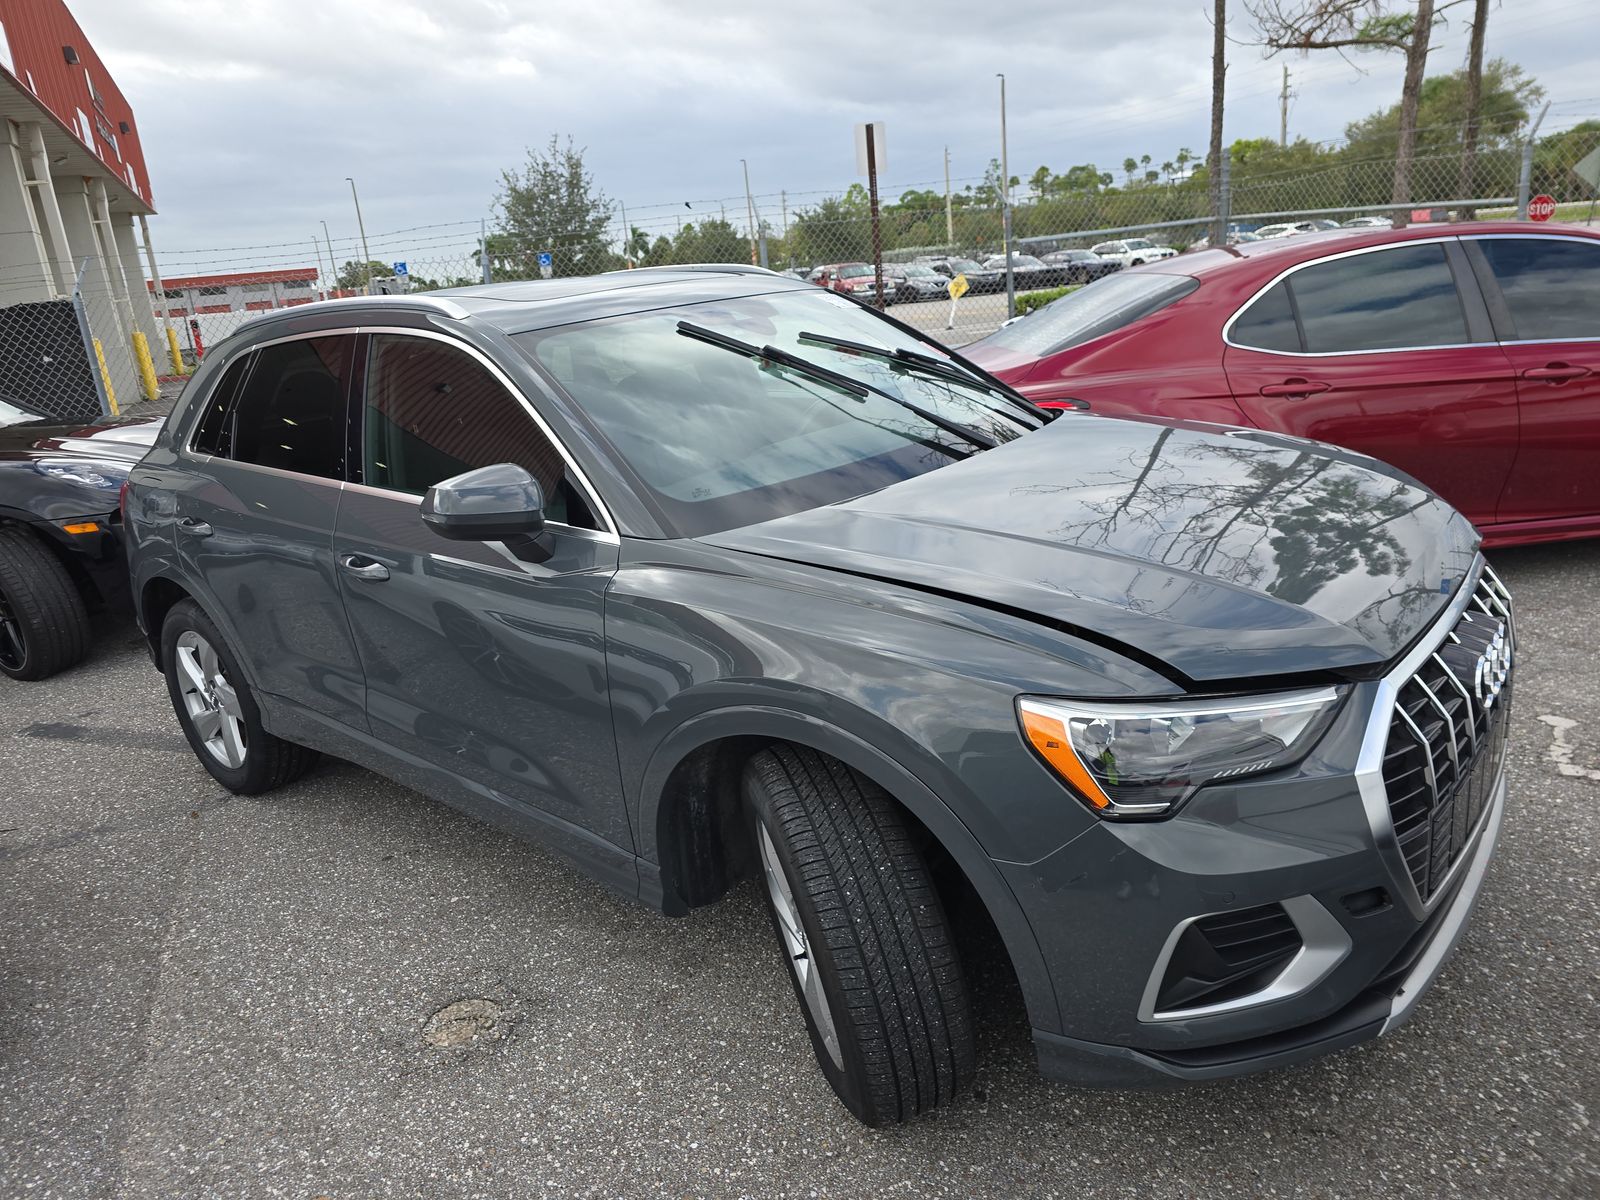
x=1551 y=285
x=1390 y=299
x=1268 y=324
x=716 y=440
x=1101 y=307
x=432 y=411
x=213 y=432
x=291 y=411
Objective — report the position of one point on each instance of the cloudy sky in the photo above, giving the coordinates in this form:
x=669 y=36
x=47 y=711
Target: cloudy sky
x=253 y=112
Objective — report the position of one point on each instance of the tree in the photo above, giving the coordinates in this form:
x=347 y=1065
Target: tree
x=1219 y=72
x=1039 y=181
x=353 y=275
x=553 y=204
x=1129 y=166
x=1307 y=25
x=637 y=248
x=1469 y=131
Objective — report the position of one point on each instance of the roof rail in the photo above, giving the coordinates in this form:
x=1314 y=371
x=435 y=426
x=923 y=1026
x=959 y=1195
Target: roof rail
x=711 y=268
x=423 y=302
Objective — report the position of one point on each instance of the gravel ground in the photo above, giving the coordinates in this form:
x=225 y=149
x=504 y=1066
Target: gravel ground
x=203 y=996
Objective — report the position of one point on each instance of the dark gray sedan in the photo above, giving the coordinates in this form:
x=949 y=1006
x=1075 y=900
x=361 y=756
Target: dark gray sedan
x=706 y=574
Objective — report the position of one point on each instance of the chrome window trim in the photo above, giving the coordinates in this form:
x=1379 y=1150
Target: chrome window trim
x=591 y=493
x=1227 y=326
x=1369 y=763
x=1324 y=945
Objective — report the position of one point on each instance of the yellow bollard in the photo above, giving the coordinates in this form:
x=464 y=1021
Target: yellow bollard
x=174 y=352
x=147 y=368
x=105 y=377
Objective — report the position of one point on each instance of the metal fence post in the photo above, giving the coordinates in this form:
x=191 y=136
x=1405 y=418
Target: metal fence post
x=1525 y=180
x=91 y=348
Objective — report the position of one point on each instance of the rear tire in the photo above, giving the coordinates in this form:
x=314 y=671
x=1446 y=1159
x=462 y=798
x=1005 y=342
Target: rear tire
x=44 y=627
x=218 y=711
x=869 y=948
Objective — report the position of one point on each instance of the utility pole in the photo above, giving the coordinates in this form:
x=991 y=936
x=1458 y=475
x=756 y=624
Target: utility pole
x=365 y=253
x=1005 y=205
x=949 y=220
x=1283 y=109
x=749 y=211
x=627 y=237
x=333 y=283
x=316 y=248
x=783 y=198
x=483 y=251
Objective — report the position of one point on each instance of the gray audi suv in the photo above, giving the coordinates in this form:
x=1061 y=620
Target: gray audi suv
x=699 y=575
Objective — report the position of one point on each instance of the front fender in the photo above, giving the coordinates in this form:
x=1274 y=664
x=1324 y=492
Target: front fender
x=888 y=771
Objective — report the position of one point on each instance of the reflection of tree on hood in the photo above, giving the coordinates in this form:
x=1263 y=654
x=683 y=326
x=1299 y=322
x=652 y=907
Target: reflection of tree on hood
x=1320 y=517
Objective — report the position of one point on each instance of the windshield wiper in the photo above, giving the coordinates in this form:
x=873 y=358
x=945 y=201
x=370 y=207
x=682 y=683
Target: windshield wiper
x=836 y=379
x=929 y=365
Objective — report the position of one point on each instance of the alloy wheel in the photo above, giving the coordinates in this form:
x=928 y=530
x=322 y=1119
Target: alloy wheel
x=797 y=948
x=13 y=649
x=210 y=700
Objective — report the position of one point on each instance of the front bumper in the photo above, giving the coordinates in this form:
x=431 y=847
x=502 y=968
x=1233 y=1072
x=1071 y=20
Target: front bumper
x=1367 y=913
x=1375 y=1010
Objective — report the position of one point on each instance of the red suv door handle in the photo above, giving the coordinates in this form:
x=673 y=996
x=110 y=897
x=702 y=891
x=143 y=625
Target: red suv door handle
x=1556 y=372
x=1294 y=388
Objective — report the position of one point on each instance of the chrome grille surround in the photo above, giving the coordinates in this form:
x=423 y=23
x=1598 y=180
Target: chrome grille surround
x=1434 y=749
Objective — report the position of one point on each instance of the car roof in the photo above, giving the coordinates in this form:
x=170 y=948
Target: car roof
x=1286 y=252
x=540 y=303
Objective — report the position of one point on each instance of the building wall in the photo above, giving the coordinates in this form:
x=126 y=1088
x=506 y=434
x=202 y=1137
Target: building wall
x=83 y=96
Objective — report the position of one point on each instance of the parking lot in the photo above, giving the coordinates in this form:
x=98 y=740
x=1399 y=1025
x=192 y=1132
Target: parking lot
x=209 y=996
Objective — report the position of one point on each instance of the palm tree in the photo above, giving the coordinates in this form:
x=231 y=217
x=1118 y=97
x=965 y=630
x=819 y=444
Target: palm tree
x=1166 y=169
x=638 y=246
x=1130 y=165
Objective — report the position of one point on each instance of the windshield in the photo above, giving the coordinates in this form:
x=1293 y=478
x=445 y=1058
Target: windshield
x=921 y=273
x=11 y=414
x=854 y=272
x=962 y=265
x=1139 y=244
x=717 y=440
x=1101 y=307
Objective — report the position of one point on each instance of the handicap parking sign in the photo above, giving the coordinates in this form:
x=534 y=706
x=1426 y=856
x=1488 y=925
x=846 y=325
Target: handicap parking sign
x=400 y=268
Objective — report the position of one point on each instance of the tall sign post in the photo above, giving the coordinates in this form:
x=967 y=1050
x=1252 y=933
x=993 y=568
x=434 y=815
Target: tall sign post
x=870 y=158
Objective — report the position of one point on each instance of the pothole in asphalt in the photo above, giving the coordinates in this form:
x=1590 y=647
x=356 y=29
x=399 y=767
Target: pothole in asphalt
x=468 y=1022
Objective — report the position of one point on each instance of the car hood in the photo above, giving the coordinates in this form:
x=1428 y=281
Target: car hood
x=1222 y=554
x=121 y=440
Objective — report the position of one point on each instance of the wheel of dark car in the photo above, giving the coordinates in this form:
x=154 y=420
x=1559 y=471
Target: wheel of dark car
x=43 y=626
x=864 y=934
x=218 y=713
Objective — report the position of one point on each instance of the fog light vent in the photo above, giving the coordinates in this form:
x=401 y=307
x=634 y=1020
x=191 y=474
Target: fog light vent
x=1228 y=955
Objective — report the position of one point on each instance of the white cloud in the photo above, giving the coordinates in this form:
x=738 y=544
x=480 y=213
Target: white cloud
x=252 y=112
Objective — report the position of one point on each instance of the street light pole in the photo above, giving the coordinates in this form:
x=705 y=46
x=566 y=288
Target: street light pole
x=333 y=264
x=1005 y=204
x=749 y=210
x=365 y=253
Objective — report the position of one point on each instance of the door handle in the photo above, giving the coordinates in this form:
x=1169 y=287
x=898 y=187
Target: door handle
x=1556 y=372
x=1294 y=388
x=364 y=568
x=194 y=528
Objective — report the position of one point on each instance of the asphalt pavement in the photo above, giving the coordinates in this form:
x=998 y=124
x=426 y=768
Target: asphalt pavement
x=346 y=990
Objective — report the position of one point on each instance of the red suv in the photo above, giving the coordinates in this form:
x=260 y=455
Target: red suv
x=1467 y=355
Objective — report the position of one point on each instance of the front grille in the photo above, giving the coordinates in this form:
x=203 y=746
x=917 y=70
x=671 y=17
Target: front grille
x=1447 y=737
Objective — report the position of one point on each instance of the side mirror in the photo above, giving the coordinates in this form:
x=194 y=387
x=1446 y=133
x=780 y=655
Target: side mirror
x=491 y=504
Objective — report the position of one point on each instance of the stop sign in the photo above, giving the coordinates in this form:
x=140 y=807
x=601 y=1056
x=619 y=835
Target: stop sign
x=1541 y=207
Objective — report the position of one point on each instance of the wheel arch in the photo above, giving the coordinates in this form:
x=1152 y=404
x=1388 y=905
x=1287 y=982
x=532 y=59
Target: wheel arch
x=691 y=826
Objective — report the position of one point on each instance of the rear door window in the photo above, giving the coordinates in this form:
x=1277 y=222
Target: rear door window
x=1550 y=285
x=1397 y=298
x=1269 y=323
x=290 y=414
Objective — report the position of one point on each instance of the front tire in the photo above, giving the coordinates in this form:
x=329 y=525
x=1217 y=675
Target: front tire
x=218 y=711
x=44 y=627
x=869 y=948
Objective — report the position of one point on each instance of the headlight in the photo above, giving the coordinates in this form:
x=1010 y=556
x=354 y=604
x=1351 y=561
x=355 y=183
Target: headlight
x=1142 y=760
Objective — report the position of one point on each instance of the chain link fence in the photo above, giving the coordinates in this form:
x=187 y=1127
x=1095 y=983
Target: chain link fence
x=927 y=236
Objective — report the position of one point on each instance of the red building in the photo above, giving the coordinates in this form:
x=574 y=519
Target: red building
x=240 y=291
